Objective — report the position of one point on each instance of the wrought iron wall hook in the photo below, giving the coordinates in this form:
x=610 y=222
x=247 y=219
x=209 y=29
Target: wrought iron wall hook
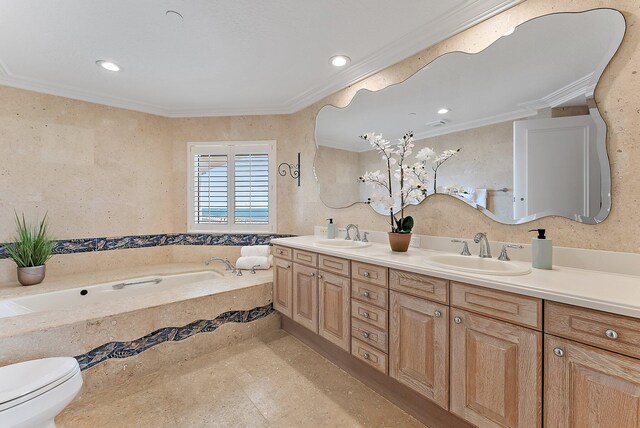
x=294 y=169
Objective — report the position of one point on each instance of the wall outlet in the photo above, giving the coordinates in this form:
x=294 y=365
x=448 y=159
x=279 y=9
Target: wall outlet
x=415 y=242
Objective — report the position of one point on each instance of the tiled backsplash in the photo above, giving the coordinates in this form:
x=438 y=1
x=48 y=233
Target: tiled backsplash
x=84 y=245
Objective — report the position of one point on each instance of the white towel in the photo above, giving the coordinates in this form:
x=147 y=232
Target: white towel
x=255 y=250
x=260 y=262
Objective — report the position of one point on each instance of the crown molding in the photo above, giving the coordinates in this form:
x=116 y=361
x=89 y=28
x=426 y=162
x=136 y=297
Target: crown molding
x=454 y=21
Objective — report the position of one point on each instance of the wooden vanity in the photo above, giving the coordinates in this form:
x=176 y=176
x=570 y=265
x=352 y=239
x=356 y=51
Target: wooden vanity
x=455 y=354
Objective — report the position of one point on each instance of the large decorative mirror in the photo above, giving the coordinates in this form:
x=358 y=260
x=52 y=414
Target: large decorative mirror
x=522 y=112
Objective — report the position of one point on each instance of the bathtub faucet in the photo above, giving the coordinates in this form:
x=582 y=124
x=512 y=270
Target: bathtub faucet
x=227 y=264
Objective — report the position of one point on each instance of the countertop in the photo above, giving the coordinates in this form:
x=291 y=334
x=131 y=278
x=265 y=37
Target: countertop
x=610 y=292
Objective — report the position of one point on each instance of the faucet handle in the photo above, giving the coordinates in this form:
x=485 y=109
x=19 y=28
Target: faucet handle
x=253 y=269
x=465 y=248
x=503 y=254
x=364 y=238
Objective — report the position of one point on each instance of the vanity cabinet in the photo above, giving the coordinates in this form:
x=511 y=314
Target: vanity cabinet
x=419 y=348
x=588 y=383
x=465 y=350
x=305 y=296
x=283 y=286
x=334 y=311
x=496 y=372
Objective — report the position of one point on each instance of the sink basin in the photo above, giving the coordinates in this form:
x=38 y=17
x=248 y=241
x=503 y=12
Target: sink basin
x=478 y=265
x=341 y=243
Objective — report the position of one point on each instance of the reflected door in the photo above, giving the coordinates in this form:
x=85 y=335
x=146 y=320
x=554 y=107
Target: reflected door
x=555 y=168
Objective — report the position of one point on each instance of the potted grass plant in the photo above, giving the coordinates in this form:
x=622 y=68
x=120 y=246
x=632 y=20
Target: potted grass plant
x=31 y=250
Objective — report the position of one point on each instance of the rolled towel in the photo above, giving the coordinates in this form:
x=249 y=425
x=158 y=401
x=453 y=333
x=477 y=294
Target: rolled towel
x=255 y=250
x=260 y=262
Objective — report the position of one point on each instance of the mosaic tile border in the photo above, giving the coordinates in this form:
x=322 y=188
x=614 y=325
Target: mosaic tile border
x=85 y=245
x=168 y=334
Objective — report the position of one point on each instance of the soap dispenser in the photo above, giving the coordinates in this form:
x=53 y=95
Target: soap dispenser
x=541 y=251
x=331 y=229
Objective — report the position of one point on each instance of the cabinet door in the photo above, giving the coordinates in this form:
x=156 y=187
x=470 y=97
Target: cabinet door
x=589 y=388
x=419 y=346
x=334 y=309
x=283 y=287
x=305 y=296
x=496 y=371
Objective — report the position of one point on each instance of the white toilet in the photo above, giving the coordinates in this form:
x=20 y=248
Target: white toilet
x=32 y=393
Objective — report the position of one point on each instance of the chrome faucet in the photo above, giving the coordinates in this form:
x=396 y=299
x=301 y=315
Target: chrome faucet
x=465 y=248
x=351 y=226
x=485 y=248
x=503 y=254
x=227 y=264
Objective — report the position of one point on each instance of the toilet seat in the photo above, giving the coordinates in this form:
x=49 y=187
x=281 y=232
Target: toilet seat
x=24 y=381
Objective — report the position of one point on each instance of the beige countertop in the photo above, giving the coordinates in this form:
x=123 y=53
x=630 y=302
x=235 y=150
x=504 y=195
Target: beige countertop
x=11 y=326
x=610 y=292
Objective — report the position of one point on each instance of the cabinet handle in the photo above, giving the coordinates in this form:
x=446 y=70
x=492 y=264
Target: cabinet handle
x=365 y=355
x=312 y=274
x=365 y=314
x=320 y=276
x=280 y=252
x=365 y=274
x=365 y=334
x=365 y=294
x=457 y=320
x=287 y=266
x=437 y=314
x=611 y=334
x=559 y=352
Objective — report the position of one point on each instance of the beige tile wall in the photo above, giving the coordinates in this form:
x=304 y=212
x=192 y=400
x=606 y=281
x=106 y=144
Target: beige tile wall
x=105 y=171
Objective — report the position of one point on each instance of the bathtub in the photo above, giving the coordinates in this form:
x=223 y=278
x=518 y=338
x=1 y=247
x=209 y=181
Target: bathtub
x=99 y=293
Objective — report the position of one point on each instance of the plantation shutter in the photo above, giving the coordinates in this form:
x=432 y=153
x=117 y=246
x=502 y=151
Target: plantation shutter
x=251 y=189
x=211 y=189
x=232 y=187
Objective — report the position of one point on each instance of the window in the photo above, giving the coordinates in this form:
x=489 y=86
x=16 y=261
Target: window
x=232 y=186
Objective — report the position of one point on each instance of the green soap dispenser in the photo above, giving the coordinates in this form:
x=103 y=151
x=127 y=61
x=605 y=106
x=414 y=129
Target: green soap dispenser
x=541 y=251
x=331 y=229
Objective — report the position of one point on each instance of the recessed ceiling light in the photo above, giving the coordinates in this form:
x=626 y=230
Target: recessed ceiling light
x=443 y=110
x=339 y=60
x=108 y=65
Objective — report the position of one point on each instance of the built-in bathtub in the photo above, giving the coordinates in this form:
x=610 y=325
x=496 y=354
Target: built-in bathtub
x=135 y=321
x=103 y=293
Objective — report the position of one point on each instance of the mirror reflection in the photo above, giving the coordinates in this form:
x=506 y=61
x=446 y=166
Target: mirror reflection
x=521 y=112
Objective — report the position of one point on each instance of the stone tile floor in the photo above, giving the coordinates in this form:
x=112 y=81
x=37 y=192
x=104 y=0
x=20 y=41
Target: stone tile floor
x=272 y=381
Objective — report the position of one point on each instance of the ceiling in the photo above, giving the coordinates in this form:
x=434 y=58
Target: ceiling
x=551 y=61
x=231 y=57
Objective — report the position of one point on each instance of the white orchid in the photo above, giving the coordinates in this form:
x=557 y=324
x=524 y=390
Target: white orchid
x=425 y=154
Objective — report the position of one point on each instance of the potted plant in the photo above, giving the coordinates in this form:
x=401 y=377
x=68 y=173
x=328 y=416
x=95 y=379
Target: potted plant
x=409 y=185
x=31 y=250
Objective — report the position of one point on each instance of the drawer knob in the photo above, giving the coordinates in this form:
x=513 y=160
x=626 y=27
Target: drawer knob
x=365 y=335
x=312 y=274
x=457 y=320
x=287 y=266
x=280 y=252
x=437 y=314
x=365 y=355
x=611 y=334
x=365 y=294
x=320 y=276
x=559 y=352
x=365 y=314
x=365 y=274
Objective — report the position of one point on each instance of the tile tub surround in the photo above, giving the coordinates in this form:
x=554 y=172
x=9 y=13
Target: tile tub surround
x=168 y=334
x=83 y=245
x=609 y=292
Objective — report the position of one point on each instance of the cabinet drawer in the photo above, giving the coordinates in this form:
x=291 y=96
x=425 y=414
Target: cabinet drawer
x=417 y=285
x=334 y=265
x=608 y=331
x=369 y=314
x=523 y=310
x=305 y=257
x=282 y=252
x=370 y=355
x=372 y=274
x=370 y=335
x=369 y=293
